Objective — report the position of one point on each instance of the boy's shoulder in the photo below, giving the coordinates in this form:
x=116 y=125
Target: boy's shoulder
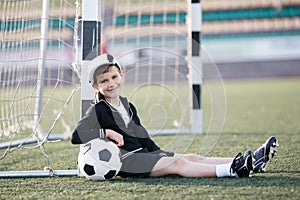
x=104 y=104
x=100 y=103
x=126 y=102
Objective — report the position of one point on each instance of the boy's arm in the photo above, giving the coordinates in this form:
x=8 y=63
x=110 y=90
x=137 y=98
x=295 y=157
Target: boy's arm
x=87 y=128
x=144 y=138
x=142 y=133
x=83 y=136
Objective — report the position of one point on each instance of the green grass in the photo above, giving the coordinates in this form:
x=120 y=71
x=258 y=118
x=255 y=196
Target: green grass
x=256 y=109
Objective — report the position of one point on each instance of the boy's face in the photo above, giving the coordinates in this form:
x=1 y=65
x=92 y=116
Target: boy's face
x=110 y=83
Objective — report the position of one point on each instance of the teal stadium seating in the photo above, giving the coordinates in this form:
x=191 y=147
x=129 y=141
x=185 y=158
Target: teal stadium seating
x=288 y=16
x=221 y=19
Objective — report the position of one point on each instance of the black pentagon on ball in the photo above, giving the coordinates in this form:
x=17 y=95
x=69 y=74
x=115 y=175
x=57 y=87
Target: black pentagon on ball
x=89 y=170
x=110 y=174
x=104 y=155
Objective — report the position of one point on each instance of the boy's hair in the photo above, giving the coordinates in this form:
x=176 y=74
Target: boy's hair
x=103 y=69
x=101 y=63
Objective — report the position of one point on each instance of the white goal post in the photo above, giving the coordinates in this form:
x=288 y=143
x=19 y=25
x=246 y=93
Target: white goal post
x=44 y=55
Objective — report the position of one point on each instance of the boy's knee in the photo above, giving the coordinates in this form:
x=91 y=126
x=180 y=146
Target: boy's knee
x=179 y=164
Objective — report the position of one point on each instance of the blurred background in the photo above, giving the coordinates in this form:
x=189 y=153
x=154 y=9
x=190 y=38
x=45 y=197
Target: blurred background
x=245 y=39
x=242 y=38
x=253 y=38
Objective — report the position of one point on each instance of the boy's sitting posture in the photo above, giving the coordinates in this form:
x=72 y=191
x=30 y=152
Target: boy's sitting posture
x=113 y=117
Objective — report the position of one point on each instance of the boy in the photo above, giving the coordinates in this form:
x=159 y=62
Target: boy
x=113 y=117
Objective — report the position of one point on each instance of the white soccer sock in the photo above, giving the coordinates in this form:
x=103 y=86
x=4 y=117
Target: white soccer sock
x=223 y=170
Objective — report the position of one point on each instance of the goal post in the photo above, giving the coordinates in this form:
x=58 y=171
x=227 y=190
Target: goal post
x=196 y=75
x=41 y=66
x=91 y=47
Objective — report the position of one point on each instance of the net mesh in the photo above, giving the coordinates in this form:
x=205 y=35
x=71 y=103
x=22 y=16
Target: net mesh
x=35 y=103
x=150 y=40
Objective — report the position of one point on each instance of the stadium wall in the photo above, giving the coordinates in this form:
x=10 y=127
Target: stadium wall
x=273 y=56
x=255 y=69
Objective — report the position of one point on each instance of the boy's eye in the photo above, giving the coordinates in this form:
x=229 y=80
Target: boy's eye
x=103 y=81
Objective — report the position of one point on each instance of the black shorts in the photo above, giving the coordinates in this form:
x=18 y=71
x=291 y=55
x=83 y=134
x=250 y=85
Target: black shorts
x=140 y=164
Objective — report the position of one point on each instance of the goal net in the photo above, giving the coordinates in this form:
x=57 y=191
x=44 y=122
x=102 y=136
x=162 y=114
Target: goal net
x=39 y=72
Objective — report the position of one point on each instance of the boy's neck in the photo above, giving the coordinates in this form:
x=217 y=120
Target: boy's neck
x=113 y=101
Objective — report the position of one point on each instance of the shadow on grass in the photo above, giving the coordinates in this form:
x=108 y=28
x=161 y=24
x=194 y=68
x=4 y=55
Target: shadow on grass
x=254 y=181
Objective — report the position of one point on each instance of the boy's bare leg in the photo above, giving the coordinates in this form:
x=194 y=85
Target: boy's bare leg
x=180 y=166
x=205 y=160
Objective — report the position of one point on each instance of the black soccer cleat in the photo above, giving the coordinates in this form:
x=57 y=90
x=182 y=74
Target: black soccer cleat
x=264 y=154
x=242 y=165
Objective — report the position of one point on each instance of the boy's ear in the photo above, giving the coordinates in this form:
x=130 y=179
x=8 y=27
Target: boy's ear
x=122 y=73
x=95 y=87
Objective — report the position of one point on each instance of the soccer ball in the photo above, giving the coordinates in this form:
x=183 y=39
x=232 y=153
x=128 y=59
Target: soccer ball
x=99 y=159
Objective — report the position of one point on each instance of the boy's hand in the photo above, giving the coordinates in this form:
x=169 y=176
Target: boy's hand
x=116 y=137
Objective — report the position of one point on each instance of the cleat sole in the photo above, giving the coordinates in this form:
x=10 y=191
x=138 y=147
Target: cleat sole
x=265 y=153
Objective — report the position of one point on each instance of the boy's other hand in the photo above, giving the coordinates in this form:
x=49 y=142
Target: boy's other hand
x=115 y=137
